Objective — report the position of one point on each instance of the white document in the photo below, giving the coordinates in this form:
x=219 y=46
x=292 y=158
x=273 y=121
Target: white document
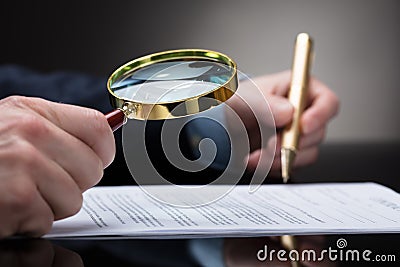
x=117 y=212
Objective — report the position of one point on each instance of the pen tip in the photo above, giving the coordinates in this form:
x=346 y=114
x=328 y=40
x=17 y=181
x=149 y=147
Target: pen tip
x=285 y=173
x=287 y=158
x=285 y=177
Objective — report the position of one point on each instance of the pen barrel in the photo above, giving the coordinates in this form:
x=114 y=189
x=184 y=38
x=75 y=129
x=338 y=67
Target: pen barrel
x=298 y=92
x=291 y=133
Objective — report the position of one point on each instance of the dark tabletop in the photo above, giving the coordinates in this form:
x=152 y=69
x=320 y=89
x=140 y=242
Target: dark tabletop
x=337 y=162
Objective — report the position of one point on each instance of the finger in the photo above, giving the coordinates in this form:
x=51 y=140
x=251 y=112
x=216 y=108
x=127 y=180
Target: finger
x=75 y=157
x=57 y=188
x=306 y=156
x=324 y=103
x=303 y=157
x=272 y=111
x=38 y=218
x=313 y=139
x=275 y=84
x=281 y=109
x=88 y=125
x=38 y=172
x=324 y=106
x=253 y=160
x=24 y=210
x=271 y=88
x=255 y=105
x=260 y=158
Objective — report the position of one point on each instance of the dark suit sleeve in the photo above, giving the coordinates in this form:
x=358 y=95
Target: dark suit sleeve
x=64 y=87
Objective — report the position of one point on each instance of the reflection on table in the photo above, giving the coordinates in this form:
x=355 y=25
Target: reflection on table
x=260 y=251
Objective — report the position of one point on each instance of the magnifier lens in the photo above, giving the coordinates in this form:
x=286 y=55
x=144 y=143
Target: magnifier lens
x=171 y=81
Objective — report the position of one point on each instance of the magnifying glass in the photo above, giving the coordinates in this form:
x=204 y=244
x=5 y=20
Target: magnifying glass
x=170 y=84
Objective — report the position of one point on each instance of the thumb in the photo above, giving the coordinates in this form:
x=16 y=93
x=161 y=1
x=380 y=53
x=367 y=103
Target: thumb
x=281 y=109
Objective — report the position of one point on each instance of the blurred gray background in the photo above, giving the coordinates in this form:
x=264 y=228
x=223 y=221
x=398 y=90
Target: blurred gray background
x=357 y=44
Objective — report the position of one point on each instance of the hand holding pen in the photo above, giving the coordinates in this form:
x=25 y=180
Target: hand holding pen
x=321 y=105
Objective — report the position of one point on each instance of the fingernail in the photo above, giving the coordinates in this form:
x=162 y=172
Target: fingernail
x=283 y=111
x=283 y=105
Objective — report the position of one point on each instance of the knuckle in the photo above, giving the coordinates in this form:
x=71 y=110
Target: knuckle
x=21 y=196
x=27 y=156
x=16 y=101
x=20 y=156
x=24 y=102
x=35 y=106
x=74 y=207
x=32 y=126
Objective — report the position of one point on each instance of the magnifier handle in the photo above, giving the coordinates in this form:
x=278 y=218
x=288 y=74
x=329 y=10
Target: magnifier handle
x=116 y=119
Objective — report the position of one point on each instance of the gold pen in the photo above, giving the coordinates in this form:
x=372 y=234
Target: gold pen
x=289 y=243
x=297 y=97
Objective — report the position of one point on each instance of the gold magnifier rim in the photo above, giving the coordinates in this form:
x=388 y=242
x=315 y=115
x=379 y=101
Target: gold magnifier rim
x=163 y=110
